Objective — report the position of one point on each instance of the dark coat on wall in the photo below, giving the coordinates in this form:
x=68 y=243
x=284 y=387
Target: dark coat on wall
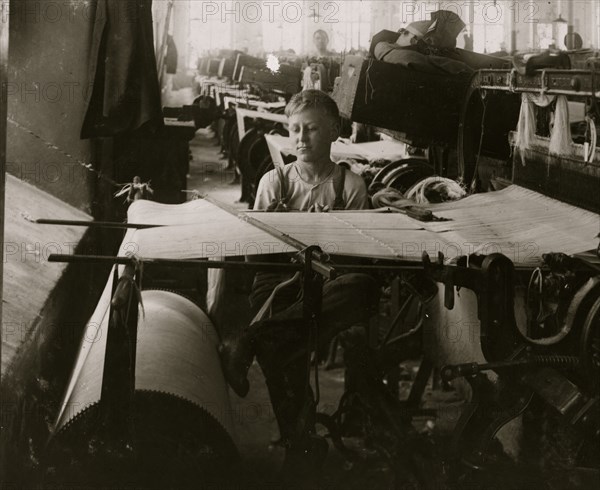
x=124 y=90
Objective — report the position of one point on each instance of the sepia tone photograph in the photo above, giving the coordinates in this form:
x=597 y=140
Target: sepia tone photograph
x=300 y=244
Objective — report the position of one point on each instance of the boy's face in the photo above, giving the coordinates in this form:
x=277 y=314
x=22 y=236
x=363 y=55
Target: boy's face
x=311 y=133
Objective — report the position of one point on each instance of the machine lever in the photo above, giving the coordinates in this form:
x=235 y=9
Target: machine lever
x=449 y=373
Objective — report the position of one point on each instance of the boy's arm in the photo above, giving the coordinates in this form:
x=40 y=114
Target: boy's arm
x=356 y=193
x=268 y=190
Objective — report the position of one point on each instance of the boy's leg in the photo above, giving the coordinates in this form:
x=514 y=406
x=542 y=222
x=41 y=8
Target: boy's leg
x=237 y=351
x=347 y=300
x=283 y=354
x=285 y=365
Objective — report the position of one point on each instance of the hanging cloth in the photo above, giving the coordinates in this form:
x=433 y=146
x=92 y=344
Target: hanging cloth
x=171 y=58
x=527 y=120
x=125 y=92
x=561 y=141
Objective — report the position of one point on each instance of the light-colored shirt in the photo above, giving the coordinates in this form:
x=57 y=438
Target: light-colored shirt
x=301 y=195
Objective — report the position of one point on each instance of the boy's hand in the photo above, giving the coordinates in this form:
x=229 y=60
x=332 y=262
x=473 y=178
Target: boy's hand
x=317 y=208
x=277 y=206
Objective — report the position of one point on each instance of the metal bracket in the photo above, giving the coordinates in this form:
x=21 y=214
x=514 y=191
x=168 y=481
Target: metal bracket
x=313 y=286
x=118 y=378
x=490 y=277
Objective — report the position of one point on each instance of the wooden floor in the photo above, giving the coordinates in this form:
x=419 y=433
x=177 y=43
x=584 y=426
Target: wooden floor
x=28 y=276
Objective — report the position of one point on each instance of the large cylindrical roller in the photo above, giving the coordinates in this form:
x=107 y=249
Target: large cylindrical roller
x=180 y=426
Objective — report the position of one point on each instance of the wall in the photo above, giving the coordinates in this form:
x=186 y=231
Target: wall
x=383 y=17
x=247 y=35
x=47 y=81
x=49 y=44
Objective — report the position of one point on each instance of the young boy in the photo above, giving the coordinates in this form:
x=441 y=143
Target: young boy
x=312 y=183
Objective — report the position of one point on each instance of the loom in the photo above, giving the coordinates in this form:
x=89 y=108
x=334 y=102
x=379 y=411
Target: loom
x=545 y=349
x=481 y=248
x=517 y=307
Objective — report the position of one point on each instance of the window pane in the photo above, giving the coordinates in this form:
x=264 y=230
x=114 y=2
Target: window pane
x=494 y=39
x=209 y=32
x=544 y=33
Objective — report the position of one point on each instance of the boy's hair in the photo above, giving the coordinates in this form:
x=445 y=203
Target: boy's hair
x=313 y=99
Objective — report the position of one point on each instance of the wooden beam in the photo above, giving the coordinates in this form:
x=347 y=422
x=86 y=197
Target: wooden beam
x=4 y=6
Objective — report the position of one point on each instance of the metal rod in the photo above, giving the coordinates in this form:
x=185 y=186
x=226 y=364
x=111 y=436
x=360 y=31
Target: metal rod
x=202 y=263
x=93 y=224
x=219 y=264
x=407 y=265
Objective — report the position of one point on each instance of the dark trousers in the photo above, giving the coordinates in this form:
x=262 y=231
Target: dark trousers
x=282 y=341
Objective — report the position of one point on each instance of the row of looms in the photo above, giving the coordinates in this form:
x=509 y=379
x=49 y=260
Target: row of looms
x=482 y=365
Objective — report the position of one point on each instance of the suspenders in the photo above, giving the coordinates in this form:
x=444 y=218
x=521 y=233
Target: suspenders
x=282 y=183
x=339 y=191
x=338 y=203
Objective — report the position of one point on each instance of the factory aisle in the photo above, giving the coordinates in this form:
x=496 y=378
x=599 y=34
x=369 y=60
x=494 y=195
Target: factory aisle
x=208 y=174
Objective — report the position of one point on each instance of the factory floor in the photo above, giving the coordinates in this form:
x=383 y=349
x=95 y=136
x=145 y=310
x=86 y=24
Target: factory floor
x=256 y=426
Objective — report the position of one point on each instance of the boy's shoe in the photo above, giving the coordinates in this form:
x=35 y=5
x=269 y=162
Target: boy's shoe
x=237 y=355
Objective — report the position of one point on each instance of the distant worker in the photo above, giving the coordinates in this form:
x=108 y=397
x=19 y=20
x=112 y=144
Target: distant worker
x=321 y=43
x=321 y=69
